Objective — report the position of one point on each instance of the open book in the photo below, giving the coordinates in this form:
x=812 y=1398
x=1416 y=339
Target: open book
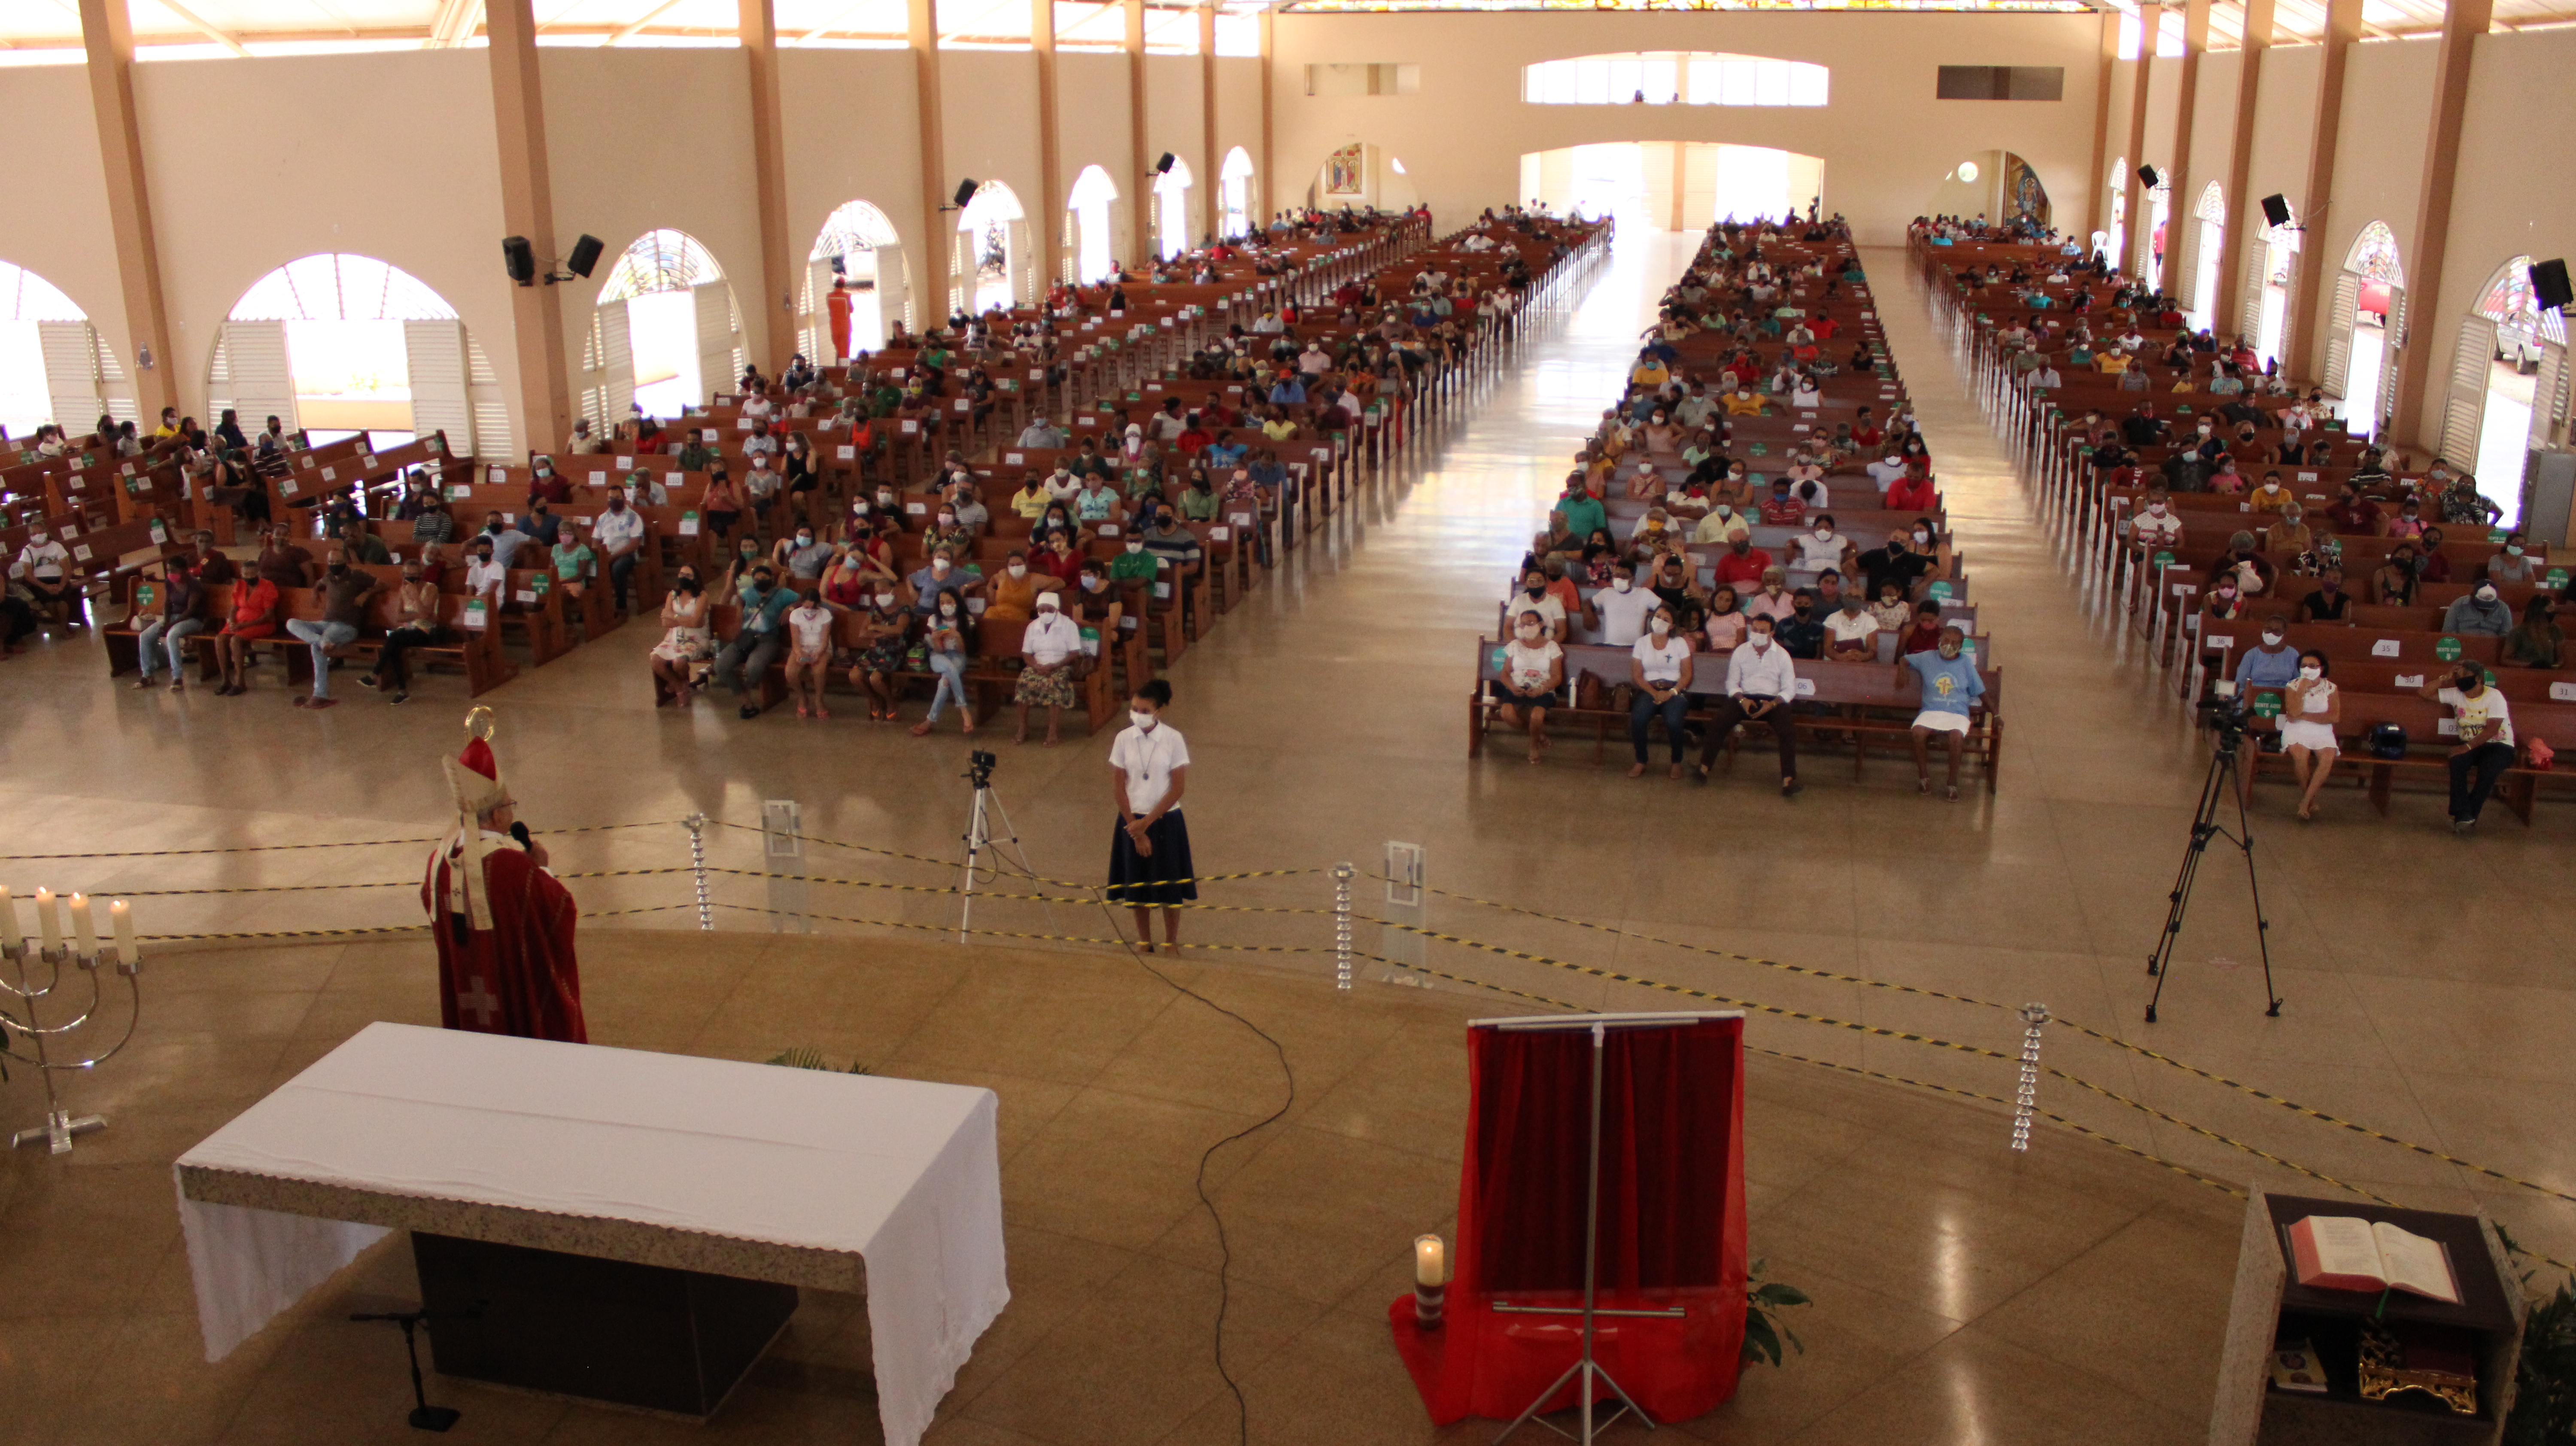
x=2344 y=1252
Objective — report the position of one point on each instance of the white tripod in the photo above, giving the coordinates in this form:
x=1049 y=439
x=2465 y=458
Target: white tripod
x=979 y=834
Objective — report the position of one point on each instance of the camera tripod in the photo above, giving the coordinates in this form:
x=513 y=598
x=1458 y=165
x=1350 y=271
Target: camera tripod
x=979 y=831
x=2220 y=782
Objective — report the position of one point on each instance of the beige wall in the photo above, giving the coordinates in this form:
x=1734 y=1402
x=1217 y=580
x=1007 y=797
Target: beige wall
x=1885 y=141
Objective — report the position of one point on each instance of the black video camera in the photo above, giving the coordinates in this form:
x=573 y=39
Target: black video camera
x=979 y=768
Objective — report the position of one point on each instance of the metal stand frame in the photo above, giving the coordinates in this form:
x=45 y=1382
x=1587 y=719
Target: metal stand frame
x=61 y=1124
x=979 y=837
x=2219 y=782
x=424 y=1416
x=1587 y=1373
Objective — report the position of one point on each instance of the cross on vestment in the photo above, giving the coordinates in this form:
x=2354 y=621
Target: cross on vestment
x=480 y=1002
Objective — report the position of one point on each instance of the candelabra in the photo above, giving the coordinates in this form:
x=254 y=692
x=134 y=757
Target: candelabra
x=49 y=948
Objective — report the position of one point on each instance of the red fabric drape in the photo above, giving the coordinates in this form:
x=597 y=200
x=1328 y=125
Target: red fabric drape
x=1671 y=1226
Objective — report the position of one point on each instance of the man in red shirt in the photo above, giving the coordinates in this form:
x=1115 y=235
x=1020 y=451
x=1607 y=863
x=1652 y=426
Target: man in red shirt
x=1780 y=509
x=1742 y=564
x=1912 y=492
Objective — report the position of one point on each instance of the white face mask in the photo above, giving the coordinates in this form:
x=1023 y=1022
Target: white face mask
x=1141 y=719
x=1823 y=532
x=1661 y=626
x=2312 y=672
x=939 y=565
x=1019 y=569
x=2271 y=639
x=1621 y=584
x=885 y=599
x=1135 y=547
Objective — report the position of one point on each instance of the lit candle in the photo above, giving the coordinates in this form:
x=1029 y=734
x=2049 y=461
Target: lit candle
x=83 y=933
x=122 y=921
x=1430 y=1261
x=10 y=938
x=49 y=921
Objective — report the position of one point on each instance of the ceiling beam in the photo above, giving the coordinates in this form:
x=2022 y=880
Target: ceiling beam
x=636 y=26
x=455 y=22
x=208 y=29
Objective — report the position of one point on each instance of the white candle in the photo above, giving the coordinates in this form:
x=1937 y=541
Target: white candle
x=122 y=920
x=1430 y=1261
x=83 y=932
x=10 y=938
x=49 y=922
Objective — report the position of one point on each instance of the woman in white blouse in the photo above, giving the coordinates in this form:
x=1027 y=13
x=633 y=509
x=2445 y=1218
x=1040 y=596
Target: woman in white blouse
x=1660 y=666
x=2310 y=710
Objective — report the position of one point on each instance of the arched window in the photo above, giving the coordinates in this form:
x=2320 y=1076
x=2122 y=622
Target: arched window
x=2373 y=256
x=1091 y=204
x=1234 y=180
x=858 y=260
x=666 y=335
x=2213 y=204
x=337 y=344
x=990 y=226
x=658 y=262
x=50 y=368
x=1172 y=209
x=1669 y=77
x=2210 y=221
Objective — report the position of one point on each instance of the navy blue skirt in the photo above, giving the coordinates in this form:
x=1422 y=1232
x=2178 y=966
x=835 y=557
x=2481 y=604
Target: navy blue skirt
x=1162 y=877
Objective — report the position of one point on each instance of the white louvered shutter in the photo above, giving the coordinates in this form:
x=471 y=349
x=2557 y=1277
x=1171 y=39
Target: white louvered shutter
x=263 y=383
x=2393 y=361
x=435 y=353
x=817 y=319
x=2249 y=313
x=2466 y=411
x=71 y=374
x=2549 y=394
x=894 y=288
x=616 y=369
x=2347 y=294
x=490 y=405
x=716 y=340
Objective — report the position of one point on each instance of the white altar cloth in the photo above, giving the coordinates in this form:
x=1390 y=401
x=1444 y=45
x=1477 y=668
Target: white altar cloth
x=902 y=1173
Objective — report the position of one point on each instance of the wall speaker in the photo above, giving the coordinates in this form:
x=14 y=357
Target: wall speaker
x=2549 y=285
x=2148 y=175
x=965 y=193
x=1163 y=167
x=520 y=258
x=2276 y=210
x=585 y=255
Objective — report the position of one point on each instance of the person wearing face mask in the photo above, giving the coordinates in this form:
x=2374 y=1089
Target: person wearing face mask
x=2271 y=663
x=1535 y=597
x=1051 y=651
x=1742 y=564
x=2310 y=709
x=2513 y=566
x=1851 y=632
x=2486 y=746
x=1821 y=547
x=2328 y=603
x=1623 y=607
x=618 y=533
x=1659 y=666
x=2537 y=641
x=884 y=629
x=948 y=636
x=1761 y=682
x=1011 y=597
x=940 y=578
x=43 y=570
x=1149 y=851
x=1533 y=674
x=1901 y=563
x=743 y=662
x=539 y=522
x=2223 y=601
x=1722 y=524
x=801 y=558
x=2271 y=496
x=685 y=642
x=808 y=627
x=1950 y=686
x=2480 y=614
x=2157 y=527
x=1801 y=633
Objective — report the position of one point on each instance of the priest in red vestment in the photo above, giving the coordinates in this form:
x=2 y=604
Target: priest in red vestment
x=504 y=925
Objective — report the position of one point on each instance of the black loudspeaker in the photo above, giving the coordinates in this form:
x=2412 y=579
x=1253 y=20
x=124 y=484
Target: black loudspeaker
x=965 y=193
x=585 y=255
x=522 y=261
x=2549 y=285
x=2148 y=175
x=2276 y=210
x=1163 y=167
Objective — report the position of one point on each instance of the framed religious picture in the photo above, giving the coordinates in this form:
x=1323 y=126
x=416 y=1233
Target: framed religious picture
x=1343 y=171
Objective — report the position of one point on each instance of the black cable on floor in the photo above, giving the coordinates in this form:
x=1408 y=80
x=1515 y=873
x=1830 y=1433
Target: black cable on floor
x=1225 y=1248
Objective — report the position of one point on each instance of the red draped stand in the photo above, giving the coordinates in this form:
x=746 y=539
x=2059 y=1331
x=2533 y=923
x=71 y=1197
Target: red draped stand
x=1670 y=1233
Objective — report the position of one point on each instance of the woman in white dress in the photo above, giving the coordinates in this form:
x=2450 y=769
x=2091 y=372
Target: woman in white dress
x=685 y=639
x=2310 y=709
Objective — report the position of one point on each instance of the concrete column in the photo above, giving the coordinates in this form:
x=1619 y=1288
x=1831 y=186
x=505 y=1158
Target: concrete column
x=108 y=33
x=2094 y=218
x=938 y=233
x=2227 y=316
x=2343 y=32
x=2134 y=244
x=2463 y=21
x=2195 y=40
x=1050 y=217
x=1211 y=185
x=1269 y=187
x=1140 y=162
x=528 y=209
x=759 y=29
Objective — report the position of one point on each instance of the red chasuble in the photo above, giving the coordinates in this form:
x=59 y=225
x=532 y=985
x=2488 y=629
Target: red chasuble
x=520 y=976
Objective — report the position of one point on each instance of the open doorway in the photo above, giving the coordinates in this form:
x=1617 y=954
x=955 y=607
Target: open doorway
x=666 y=335
x=2114 y=244
x=1092 y=205
x=2522 y=335
x=1679 y=185
x=854 y=284
x=336 y=344
x=54 y=366
x=2276 y=251
x=1172 y=210
x=2210 y=216
x=1234 y=187
x=2358 y=337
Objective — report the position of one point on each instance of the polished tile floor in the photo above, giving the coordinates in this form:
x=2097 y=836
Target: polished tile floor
x=2426 y=977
